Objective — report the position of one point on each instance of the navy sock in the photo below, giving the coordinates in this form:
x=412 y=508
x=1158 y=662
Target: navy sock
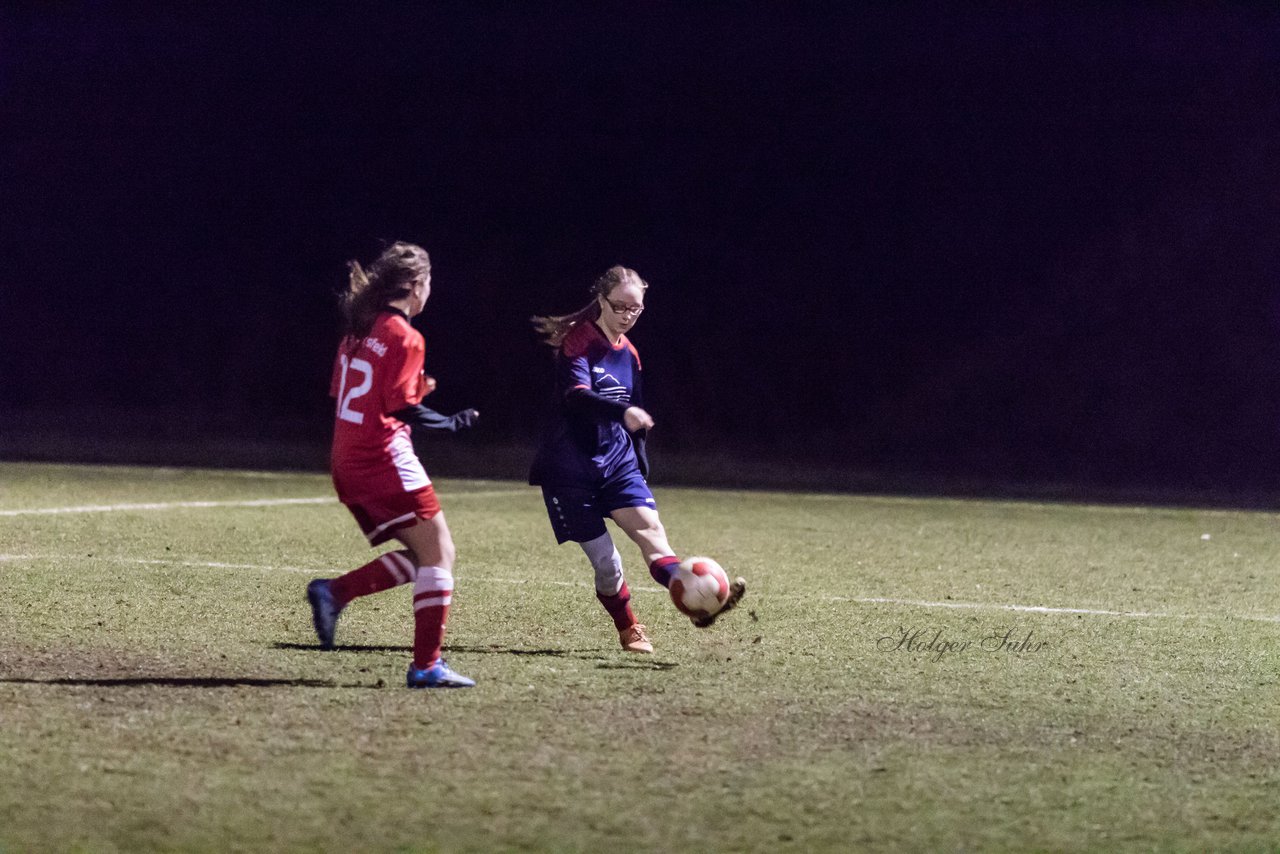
x=664 y=569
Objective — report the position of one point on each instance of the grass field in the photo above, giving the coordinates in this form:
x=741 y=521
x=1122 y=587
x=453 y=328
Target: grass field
x=905 y=674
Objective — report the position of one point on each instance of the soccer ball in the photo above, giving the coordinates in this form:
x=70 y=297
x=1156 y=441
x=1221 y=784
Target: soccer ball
x=700 y=587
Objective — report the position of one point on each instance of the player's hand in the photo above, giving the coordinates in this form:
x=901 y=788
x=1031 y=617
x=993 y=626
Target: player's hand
x=636 y=418
x=468 y=417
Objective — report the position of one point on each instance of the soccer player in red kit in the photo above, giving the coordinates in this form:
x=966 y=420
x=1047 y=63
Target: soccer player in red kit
x=378 y=385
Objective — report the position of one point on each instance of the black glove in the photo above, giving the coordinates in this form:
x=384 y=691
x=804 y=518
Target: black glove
x=420 y=417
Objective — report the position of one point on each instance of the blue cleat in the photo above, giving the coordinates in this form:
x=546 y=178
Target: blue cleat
x=324 y=610
x=438 y=675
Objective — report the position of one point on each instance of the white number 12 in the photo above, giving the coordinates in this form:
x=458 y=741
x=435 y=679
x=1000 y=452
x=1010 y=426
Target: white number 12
x=346 y=396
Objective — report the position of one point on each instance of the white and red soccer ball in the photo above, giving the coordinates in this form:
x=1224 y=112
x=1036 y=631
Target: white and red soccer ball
x=700 y=587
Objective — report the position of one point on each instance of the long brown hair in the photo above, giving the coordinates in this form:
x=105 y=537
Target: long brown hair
x=389 y=277
x=553 y=328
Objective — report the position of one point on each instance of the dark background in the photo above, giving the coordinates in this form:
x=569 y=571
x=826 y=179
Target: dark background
x=997 y=243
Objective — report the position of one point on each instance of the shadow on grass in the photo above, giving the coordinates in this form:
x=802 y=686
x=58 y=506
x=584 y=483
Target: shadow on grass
x=494 y=649
x=351 y=647
x=637 y=664
x=606 y=662
x=188 y=682
x=483 y=650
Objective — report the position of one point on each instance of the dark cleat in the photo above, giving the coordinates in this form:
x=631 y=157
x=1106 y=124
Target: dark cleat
x=737 y=590
x=324 y=610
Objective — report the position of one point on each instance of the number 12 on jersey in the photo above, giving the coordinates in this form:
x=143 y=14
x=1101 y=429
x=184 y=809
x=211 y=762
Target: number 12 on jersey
x=347 y=396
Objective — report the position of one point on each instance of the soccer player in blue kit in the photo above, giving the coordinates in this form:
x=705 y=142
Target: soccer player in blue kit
x=592 y=462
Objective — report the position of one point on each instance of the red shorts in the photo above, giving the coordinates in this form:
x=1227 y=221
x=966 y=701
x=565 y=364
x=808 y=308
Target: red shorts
x=380 y=518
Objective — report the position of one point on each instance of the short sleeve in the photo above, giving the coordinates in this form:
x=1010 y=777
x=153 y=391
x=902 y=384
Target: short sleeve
x=404 y=383
x=573 y=367
x=573 y=372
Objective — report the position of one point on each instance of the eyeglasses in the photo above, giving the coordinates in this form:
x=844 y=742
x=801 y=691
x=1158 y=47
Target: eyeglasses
x=623 y=308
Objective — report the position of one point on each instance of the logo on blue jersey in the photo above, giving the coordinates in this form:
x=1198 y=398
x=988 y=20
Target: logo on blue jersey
x=616 y=391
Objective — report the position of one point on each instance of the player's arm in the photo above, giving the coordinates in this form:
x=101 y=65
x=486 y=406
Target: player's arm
x=581 y=400
x=420 y=417
x=584 y=402
x=402 y=398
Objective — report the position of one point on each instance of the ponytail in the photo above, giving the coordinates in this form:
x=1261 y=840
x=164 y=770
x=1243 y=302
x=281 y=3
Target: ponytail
x=554 y=328
x=389 y=278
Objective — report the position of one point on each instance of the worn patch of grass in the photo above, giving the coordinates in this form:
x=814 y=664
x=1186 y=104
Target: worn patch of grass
x=160 y=687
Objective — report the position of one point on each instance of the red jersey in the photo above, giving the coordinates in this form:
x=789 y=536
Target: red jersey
x=372 y=377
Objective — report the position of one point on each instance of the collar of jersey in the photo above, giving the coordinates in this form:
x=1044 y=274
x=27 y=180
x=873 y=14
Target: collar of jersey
x=622 y=343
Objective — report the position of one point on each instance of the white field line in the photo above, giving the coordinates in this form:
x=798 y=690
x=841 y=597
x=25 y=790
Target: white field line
x=861 y=600
x=163 y=505
x=1032 y=609
x=257 y=502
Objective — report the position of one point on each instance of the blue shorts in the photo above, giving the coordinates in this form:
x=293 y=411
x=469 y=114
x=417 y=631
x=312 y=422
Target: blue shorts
x=578 y=514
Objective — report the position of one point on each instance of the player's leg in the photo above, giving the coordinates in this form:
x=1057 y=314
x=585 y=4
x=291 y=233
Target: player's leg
x=575 y=517
x=643 y=525
x=328 y=596
x=613 y=594
x=384 y=572
x=378 y=520
x=431 y=544
x=627 y=499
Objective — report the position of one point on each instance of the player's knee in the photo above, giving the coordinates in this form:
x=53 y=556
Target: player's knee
x=606 y=562
x=447 y=553
x=438 y=554
x=651 y=532
x=433 y=579
x=609 y=576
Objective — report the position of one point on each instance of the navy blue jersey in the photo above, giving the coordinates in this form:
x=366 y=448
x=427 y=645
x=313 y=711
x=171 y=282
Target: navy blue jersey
x=596 y=382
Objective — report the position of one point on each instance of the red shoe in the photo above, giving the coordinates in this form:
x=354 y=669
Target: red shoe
x=634 y=639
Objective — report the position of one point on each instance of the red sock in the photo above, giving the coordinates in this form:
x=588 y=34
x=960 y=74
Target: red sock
x=382 y=573
x=431 y=597
x=619 y=607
